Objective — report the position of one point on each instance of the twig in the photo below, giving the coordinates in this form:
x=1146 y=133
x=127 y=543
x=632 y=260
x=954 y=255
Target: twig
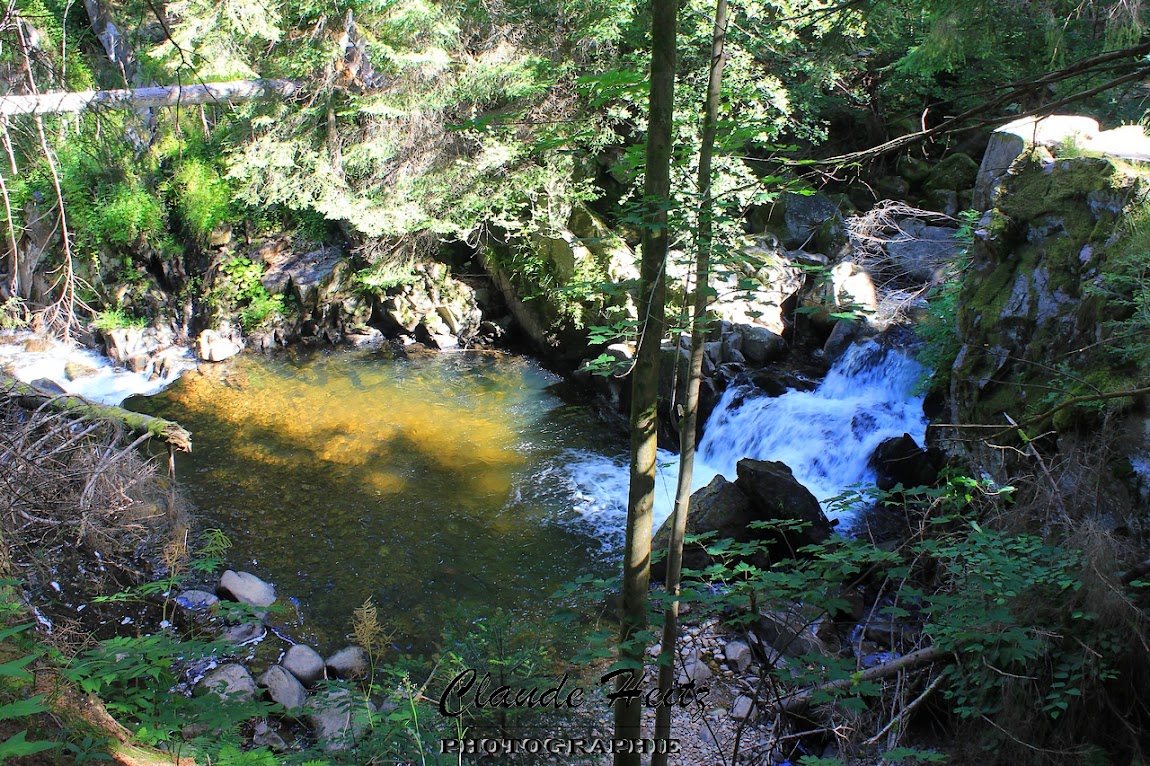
x=906 y=710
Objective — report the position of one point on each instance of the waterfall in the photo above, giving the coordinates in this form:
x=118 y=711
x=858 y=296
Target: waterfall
x=826 y=436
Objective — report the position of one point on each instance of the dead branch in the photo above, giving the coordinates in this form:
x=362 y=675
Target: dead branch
x=1012 y=93
x=79 y=407
x=150 y=97
x=798 y=700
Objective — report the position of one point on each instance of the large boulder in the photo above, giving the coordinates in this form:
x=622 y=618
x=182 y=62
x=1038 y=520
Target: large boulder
x=1048 y=304
x=955 y=172
x=312 y=276
x=764 y=491
x=804 y=221
x=899 y=460
x=758 y=284
x=1062 y=133
x=760 y=345
x=778 y=495
x=1032 y=293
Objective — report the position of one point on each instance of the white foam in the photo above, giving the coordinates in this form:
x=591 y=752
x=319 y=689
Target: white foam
x=826 y=436
x=108 y=384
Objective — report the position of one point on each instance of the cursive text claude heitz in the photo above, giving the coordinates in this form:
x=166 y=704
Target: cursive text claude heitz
x=470 y=691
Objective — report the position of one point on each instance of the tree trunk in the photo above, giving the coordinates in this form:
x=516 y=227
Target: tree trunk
x=645 y=376
x=159 y=96
x=690 y=419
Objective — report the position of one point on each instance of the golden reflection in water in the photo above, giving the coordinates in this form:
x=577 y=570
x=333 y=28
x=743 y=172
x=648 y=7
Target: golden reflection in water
x=280 y=420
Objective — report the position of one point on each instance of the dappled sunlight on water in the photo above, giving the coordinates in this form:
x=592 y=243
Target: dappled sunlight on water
x=419 y=483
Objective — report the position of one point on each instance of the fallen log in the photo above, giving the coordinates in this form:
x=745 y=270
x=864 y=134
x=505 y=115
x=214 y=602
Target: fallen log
x=798 y=700
x=134 y=423
x=144 y=98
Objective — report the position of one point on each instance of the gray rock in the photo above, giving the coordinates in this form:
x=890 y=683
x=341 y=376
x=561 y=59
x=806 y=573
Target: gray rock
x=738 y=656
x=757 y=280
x=304 y=663
x=365 y=336
x=899 y=460
x=265 y=736
x=197 y=600
x=244 y=633
x=1009 y=142
x=743 y=708
x=313 y=275
x=212 y=346
x=791 y=631
x=337 y=718
x=283 y=687
x=845 y=334
x=760 y=345
x=247 y=588
x=350 y=663
x=804 y=219
x=229 y=682
x=695 y=671
x=921 y=251
x=773 y=489
x=956 y=171
x=47 y=386
x=763 y=491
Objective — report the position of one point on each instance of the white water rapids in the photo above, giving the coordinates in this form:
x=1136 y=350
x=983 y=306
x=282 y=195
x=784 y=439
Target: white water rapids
x=826 y=436
x=102 y=382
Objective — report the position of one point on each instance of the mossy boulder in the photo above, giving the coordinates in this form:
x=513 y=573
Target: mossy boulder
x=956 y=171
x=1042 y=302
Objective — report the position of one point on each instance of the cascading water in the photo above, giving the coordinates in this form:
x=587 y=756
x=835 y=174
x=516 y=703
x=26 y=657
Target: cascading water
x=826 y=436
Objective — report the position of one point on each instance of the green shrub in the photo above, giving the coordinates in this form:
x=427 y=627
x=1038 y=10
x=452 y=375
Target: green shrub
x=202 y=198
x=16 y=680
x=114 y=318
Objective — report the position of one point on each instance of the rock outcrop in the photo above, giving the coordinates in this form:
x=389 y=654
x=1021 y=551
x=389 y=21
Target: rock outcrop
x=1047 y=311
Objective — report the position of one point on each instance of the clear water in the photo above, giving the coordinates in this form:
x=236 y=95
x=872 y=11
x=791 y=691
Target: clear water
x=448 y=485
x=441 y=487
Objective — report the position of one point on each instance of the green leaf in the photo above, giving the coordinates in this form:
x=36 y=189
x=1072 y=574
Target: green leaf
x=15 y=668
x=17 y=745
x=27 y=707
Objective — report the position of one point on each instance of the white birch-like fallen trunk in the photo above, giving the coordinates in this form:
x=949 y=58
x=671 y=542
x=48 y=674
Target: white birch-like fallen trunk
x=141 y=98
